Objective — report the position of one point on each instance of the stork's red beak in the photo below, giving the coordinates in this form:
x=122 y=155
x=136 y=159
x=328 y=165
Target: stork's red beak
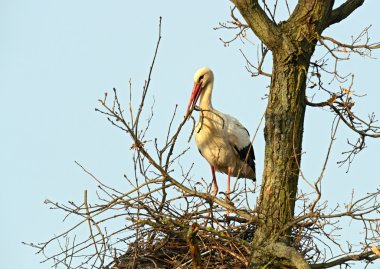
x=194 y=98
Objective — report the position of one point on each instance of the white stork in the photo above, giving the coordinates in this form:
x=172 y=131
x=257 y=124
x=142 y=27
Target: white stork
x=221 y=139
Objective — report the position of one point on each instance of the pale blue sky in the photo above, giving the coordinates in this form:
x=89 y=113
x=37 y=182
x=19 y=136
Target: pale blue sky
x=58 y=57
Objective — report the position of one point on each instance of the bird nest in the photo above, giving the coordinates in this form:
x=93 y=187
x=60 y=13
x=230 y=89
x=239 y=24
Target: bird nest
x=189 y=246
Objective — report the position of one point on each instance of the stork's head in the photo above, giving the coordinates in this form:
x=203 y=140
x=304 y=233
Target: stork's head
x=202 y=78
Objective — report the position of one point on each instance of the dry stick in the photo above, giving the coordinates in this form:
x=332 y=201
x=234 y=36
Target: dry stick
x=172 y=143
x=233 y=254
x=72 y=252
x=259 y=70
x=145 y=90
x=97 y=180
x=58 y=236
x=136 y=248
x=315 y=187
x=147 y=83
x=298 y=165
x=78 y=250
x=352 y=47
x=170 y=125
x=130 y=102
x=319 y=180
x=143 y=132
x=202 y=111
x=90 y=220
x=166 y=166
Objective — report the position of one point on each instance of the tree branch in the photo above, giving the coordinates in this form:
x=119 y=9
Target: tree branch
x=263 y=27
x=364 y=132
x=368 y=256
x=343 y=11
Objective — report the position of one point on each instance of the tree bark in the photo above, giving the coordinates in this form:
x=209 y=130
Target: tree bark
x=283 y=131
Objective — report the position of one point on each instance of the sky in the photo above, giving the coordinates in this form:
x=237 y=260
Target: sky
x=57 y=58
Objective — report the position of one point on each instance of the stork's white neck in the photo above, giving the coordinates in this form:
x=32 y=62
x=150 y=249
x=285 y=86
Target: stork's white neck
x=206 y=95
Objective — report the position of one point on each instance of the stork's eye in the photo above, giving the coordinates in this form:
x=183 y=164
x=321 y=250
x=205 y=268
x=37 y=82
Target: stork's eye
x=201 y=77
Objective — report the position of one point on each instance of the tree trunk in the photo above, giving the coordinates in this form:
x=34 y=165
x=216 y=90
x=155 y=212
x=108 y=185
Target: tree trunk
x=284 y=120
x=292 y=44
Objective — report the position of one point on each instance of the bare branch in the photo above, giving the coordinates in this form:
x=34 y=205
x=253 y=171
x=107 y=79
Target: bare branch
x=258 y=68
x=259 y=22
x=353 y=46
x=341 y=113
x=367 y=255
x=343 y=11
x=147 y=83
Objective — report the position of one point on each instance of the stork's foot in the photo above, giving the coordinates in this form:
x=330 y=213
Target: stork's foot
x=228 y=201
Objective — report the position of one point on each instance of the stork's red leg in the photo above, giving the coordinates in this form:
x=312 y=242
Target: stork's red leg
x=228 y=184
x=214 y=184
x=214 y=192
